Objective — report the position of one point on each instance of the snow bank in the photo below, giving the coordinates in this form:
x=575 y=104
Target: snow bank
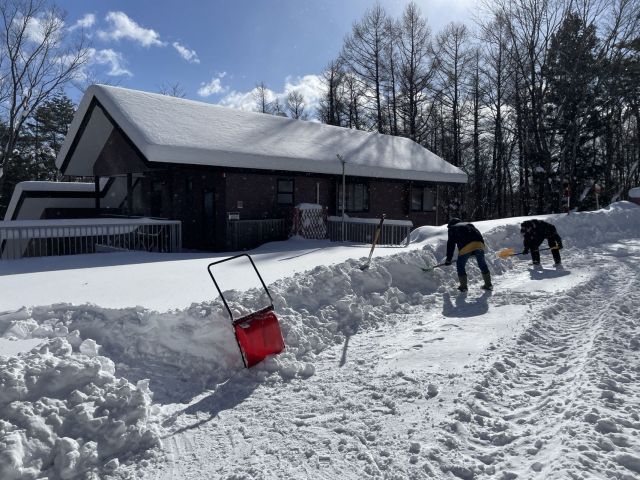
x=317 y=308
x=63 y=412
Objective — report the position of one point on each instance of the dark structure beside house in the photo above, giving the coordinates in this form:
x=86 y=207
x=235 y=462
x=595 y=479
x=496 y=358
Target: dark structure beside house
x=214 y=168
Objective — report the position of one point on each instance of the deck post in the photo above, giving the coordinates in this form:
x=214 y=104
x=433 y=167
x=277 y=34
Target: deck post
x=96 y=181
x=129 y=194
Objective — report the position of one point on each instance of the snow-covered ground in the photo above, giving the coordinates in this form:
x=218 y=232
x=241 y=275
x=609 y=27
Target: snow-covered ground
x=124 y=365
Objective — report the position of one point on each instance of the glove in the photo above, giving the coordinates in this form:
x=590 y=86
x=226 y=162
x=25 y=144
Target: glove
x=447 y=262
x=525 y=251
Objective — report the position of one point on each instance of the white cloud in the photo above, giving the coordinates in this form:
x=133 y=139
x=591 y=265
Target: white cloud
x=36 y=26
x=189 y=55
x=214 y=86
x=310 y=86
x=111 y=58
x=34 y=29
x=123 y=27
x=242 y=100
x=85 y=22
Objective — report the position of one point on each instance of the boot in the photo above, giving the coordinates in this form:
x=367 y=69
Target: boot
x=487 y=281
x=463 y=283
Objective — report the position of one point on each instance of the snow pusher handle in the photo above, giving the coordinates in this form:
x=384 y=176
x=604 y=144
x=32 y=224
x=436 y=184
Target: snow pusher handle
x=510 y=252
x=258 y=334
x=270 y=307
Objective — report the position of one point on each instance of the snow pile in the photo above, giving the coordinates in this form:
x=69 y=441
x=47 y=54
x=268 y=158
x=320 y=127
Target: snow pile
x=318 y=308
x=63 y=412
x=196 y=342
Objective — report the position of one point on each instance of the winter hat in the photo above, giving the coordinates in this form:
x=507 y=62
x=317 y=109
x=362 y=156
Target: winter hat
x=452 y=222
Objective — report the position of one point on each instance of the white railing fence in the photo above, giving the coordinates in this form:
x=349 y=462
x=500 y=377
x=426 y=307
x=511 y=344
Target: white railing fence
x=247 y=234
x=40 y=238
x=362 y=230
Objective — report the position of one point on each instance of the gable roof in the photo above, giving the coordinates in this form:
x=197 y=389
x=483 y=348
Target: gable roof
x=174 y=130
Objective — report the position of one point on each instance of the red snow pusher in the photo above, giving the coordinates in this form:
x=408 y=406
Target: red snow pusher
x=258 y=334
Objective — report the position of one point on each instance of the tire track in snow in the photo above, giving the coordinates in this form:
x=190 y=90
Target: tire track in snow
x=563 y=401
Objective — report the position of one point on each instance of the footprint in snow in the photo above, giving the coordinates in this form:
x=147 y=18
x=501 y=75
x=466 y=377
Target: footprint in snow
x=434 y=339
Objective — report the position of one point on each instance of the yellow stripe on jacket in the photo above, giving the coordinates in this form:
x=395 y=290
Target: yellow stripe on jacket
x=470 y=247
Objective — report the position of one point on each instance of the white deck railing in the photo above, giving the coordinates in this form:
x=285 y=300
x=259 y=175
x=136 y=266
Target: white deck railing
x=40 y=238
x=362 y=230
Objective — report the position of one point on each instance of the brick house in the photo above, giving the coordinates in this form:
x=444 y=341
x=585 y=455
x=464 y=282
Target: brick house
x=208 y=166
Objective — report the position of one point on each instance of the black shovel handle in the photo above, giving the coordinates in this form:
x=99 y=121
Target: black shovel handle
x=540 y=250
x=270 y=307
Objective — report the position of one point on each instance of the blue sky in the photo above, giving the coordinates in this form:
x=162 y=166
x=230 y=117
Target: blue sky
x=218 y=50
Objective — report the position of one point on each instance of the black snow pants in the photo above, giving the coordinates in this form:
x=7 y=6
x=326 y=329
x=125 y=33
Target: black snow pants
x=555 y=243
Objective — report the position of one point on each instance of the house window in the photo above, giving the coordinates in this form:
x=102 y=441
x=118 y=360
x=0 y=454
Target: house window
x=285 y=192
x=357 y=197
x=422 y=199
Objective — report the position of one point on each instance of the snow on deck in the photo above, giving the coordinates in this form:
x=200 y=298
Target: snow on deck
x=82 y=222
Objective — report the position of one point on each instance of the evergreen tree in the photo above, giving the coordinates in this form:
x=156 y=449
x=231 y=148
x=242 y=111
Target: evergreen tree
x=572 y=74
x=40 y=143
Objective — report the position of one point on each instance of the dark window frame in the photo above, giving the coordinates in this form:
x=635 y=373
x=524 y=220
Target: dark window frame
x=350 y=191
x=421 y=192
x=280 y=193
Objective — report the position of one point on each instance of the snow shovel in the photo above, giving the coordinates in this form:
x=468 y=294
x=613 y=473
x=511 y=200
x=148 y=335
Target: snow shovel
x=258 y=334
x=375 y=241
x=431 y=269
x=510 y=252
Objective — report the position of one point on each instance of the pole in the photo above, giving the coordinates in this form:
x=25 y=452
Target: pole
x=344 y=199
x=437 y=202
x=96 y=182
x=129 y=194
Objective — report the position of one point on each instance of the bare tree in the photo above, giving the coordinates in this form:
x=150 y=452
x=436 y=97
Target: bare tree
x=415 y=52
x=331 y=105
x=172 y=90
x=496 y=73
x=353 y=96
x=295 y=105
x=454 y=63
x=261 y=97
x=276 y=108
x=364 y=53
x=530 y=25
x=37 y=58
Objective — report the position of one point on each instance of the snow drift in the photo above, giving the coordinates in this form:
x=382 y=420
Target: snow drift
x=63 y=412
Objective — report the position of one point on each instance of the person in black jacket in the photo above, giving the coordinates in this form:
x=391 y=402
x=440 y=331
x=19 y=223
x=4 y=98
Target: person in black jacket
x=469 y=242
x=534 y=232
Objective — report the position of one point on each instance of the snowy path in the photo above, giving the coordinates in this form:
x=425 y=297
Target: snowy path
x=466 y=386
x=571 y=402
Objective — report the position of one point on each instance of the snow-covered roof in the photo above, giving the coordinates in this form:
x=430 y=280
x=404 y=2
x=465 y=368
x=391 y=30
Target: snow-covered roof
x=174 y=130
x=634 y=192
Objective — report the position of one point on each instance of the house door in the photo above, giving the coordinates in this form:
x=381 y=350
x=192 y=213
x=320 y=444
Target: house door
x=209 y=220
